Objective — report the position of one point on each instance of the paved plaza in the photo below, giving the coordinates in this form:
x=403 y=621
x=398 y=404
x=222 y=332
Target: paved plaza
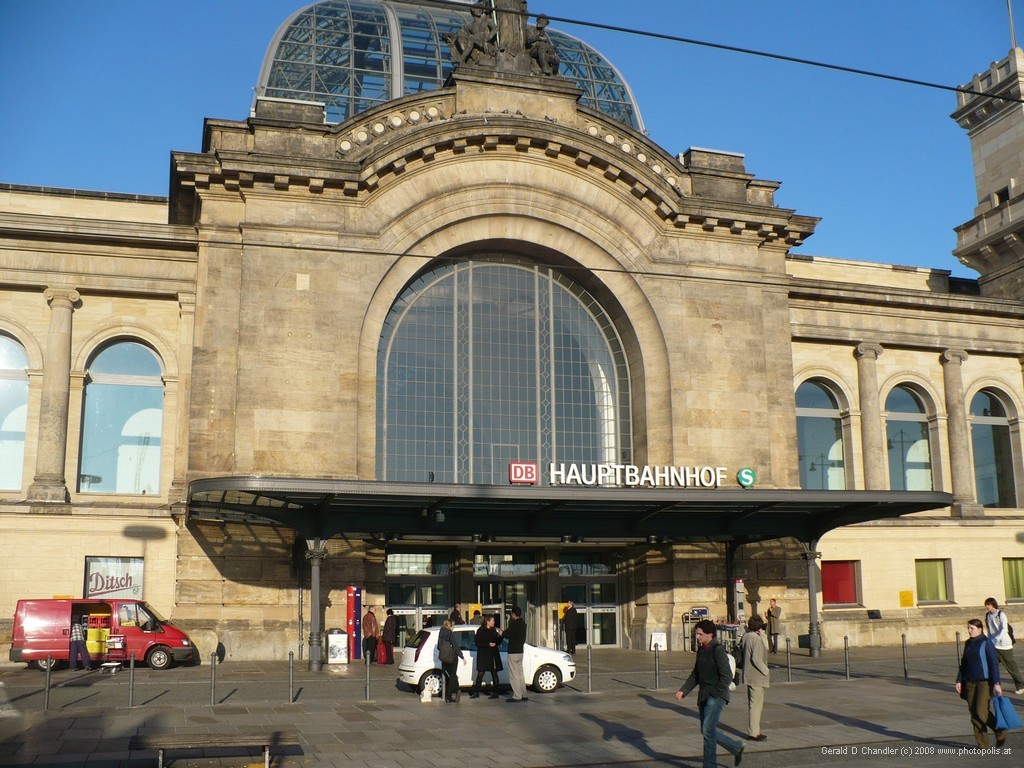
x=622 y=713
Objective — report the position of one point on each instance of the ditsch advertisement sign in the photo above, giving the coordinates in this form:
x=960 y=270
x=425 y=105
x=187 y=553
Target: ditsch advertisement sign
x=113 y=577
x=523 y=472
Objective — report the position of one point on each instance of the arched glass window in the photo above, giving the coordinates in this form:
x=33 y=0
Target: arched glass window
x=122 y=421
x=910 y=455
x=13 y=411
x=819 y=430
x=493 y=360
x=993 y=453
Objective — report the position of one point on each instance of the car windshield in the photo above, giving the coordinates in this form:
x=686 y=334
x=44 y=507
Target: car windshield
x=152 y=612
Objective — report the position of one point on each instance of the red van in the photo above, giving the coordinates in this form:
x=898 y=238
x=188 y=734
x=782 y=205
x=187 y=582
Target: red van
x=115 y=629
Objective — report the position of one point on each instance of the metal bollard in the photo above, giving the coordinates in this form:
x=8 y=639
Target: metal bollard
x=958 y=652
x=657 y=668
x=590 y=668
x=906 y=665
x=367 y=691
x=131 y=680
x=789 y=659
x=213 y=679
x=46 y=692
x=846 y=653
x=291 y=677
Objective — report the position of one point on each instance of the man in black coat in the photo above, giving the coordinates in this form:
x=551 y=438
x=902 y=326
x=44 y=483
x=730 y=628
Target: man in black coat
x=570 y=623
x=713 y=674
x=488 y=656
x=515 y=633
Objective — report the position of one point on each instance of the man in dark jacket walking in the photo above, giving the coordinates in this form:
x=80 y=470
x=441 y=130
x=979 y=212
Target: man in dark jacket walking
x=713 y=674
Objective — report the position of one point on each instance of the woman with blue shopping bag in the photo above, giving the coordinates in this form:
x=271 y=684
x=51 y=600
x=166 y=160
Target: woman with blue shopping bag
x=977 y=682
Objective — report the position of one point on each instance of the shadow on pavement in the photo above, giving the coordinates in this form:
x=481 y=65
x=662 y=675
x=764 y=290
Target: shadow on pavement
x=612 y=731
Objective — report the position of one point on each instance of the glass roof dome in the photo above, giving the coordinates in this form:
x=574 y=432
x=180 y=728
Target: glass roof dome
x=355 y=54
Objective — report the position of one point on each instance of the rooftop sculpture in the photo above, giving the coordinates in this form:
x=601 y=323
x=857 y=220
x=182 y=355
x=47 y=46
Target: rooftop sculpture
x=498 y=37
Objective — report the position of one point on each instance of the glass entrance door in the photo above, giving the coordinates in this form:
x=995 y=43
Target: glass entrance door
x=598 y=608
x=499 y=597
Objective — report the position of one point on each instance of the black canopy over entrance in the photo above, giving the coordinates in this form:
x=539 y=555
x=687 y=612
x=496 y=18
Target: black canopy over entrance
x=324 y=508
x=320 y=509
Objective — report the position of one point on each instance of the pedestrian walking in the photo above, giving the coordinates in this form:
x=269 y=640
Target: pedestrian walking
x=713 y=674
x=978 y=681
x=488 y=656
x=999 y=633
x=515 y=632
x=754 y=674
x=773 y=616
x=455 y=617
x=570 y=623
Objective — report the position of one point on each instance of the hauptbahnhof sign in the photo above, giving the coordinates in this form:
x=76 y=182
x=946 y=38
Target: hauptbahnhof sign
x=627 y=475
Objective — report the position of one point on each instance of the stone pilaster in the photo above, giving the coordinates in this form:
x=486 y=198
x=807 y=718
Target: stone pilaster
x=49 y=483
x=186 y=333
x=873 y=446
x=959 y=436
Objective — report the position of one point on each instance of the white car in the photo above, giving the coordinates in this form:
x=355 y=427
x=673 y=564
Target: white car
x=544 y=668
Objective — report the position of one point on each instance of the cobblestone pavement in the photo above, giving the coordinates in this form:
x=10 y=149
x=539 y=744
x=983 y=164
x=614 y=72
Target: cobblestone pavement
x=621 y=713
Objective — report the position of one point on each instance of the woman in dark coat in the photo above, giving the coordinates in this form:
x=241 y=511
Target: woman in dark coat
x=450 y=669
x=978 y=681
x=389 y=635
x=488 y=656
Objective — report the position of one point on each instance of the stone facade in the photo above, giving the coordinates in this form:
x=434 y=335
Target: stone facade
x=262 y=284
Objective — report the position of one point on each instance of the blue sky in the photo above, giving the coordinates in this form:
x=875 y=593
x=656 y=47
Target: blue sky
x=95 y=95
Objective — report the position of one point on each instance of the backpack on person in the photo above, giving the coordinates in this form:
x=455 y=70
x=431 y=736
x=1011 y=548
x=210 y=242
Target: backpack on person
x=735 y=672
x=1009 y=631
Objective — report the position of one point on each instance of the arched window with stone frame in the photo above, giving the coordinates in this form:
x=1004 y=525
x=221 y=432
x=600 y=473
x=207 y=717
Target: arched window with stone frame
x=13 y=412
x=494 y=359
x=122 y=420
x=821 y=451
x=992 y=450
x=908 y=440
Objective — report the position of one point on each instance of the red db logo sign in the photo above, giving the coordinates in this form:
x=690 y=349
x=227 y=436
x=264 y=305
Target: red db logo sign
x=522 y=472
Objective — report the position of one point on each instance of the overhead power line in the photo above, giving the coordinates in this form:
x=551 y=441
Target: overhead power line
x=750 y=52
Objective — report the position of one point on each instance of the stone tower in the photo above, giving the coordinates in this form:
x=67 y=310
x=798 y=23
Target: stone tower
x=992 y=242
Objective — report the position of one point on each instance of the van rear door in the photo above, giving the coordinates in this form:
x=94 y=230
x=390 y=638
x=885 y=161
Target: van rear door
x=46 y=627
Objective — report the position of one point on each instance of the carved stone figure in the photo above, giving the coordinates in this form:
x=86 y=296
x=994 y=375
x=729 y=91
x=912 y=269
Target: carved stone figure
x=476 y=42
x=542 y=52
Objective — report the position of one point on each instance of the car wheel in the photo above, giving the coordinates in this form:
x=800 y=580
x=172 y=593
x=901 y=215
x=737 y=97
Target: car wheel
x=44 y=664
x=548 y=679
x=158 y=658
x=431 y=681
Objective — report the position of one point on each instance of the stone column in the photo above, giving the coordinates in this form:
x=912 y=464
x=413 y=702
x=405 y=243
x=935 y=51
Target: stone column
x=49 y=483
x=872 y=442
x=959 y=436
